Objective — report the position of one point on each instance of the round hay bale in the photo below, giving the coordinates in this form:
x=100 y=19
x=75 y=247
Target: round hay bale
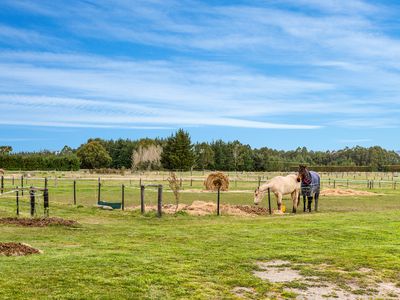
x=215 y=180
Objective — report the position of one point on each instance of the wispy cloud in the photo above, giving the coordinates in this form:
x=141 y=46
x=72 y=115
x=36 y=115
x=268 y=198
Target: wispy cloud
x=303 y=64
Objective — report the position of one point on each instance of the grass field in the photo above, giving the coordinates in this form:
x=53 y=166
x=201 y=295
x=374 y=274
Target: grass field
x=120 y=255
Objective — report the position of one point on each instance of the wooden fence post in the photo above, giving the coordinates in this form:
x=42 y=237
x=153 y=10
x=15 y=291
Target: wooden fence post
x=123 y=197
x=32 y=195
x=74 y=192
x=22 y=185
x=159 y=201
x=46 y=202
x=142 y=209
x=17 y=200
x=99 y=192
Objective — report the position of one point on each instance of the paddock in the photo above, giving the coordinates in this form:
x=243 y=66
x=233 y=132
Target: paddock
x=348 y=247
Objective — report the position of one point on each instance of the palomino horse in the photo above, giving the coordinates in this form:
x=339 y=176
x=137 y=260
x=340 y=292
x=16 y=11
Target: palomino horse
x=310 y=186
x=280 y=185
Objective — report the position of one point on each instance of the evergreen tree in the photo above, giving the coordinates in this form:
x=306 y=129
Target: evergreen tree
x=178 y=152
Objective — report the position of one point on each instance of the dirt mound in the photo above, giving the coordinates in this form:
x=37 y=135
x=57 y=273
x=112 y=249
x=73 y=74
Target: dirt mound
x=38 y=222
x=201 y=208
x=215 y=180
x=17 y=249
x=253 y=209
x=346 y=192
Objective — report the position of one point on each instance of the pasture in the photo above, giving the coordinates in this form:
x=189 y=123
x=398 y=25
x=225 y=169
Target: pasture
x=351 y=243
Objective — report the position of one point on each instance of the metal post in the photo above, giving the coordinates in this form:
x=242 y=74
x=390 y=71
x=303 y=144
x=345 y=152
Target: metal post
x=17 y=200
x=123 y=197
x=159 y=201
x=46 y=202
x=142 y=199
x=269 y=201
x=2 y=184
x=32 y=195
x=45 y=182
x=259 y=181
x=218 y=199
x=74 y=192
x=13 y=181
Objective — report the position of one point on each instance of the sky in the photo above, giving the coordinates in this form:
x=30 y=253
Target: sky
x=281 y=74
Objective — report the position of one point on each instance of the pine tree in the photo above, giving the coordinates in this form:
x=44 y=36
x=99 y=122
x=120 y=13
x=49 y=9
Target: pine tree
x=178 y=152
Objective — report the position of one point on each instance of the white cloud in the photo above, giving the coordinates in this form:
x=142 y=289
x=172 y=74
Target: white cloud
x=252 y=66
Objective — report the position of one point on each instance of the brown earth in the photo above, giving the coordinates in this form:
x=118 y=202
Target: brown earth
x=345 y=192
x=38 y=222
x=17 y=249
x=201 y=208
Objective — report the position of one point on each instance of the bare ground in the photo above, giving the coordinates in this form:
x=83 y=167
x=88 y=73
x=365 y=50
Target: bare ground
x=17 y=249
x=201 y=208
x=38 y=222
x=313 y=287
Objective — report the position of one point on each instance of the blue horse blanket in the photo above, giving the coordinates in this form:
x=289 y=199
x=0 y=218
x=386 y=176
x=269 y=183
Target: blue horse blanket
x=310 y=185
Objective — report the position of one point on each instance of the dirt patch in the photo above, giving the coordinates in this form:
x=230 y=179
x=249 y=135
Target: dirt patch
x=210 y=192
x=17 y=249
x=243 y=292
x=38 y=222
x=285 y=273
x=346 y=192
x=201 y=208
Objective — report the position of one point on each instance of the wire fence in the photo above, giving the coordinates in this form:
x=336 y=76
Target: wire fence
x=125 y=190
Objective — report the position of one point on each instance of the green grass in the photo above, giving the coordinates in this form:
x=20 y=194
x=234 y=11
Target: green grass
x=120 y=255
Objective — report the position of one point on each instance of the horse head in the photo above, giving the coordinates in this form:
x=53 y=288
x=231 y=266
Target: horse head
x=257 y=196
x=301 y=173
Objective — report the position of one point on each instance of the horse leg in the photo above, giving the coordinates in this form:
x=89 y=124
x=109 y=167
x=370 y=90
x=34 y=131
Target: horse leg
x=294 y=199
x=309 y=203
x=316 y=197
x=279 y=201
x=304 y=202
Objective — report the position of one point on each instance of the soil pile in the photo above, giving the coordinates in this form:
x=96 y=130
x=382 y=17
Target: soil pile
x=38 y=222
x=201 y=208
x=17 y=249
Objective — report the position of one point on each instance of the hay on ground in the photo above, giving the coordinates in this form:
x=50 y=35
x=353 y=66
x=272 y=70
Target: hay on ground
x=345 y=192
x=215 y=180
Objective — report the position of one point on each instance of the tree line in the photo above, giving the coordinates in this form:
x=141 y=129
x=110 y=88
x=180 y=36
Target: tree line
x=178 y=153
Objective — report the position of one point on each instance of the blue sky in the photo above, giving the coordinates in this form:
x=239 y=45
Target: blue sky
x=282 y=74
